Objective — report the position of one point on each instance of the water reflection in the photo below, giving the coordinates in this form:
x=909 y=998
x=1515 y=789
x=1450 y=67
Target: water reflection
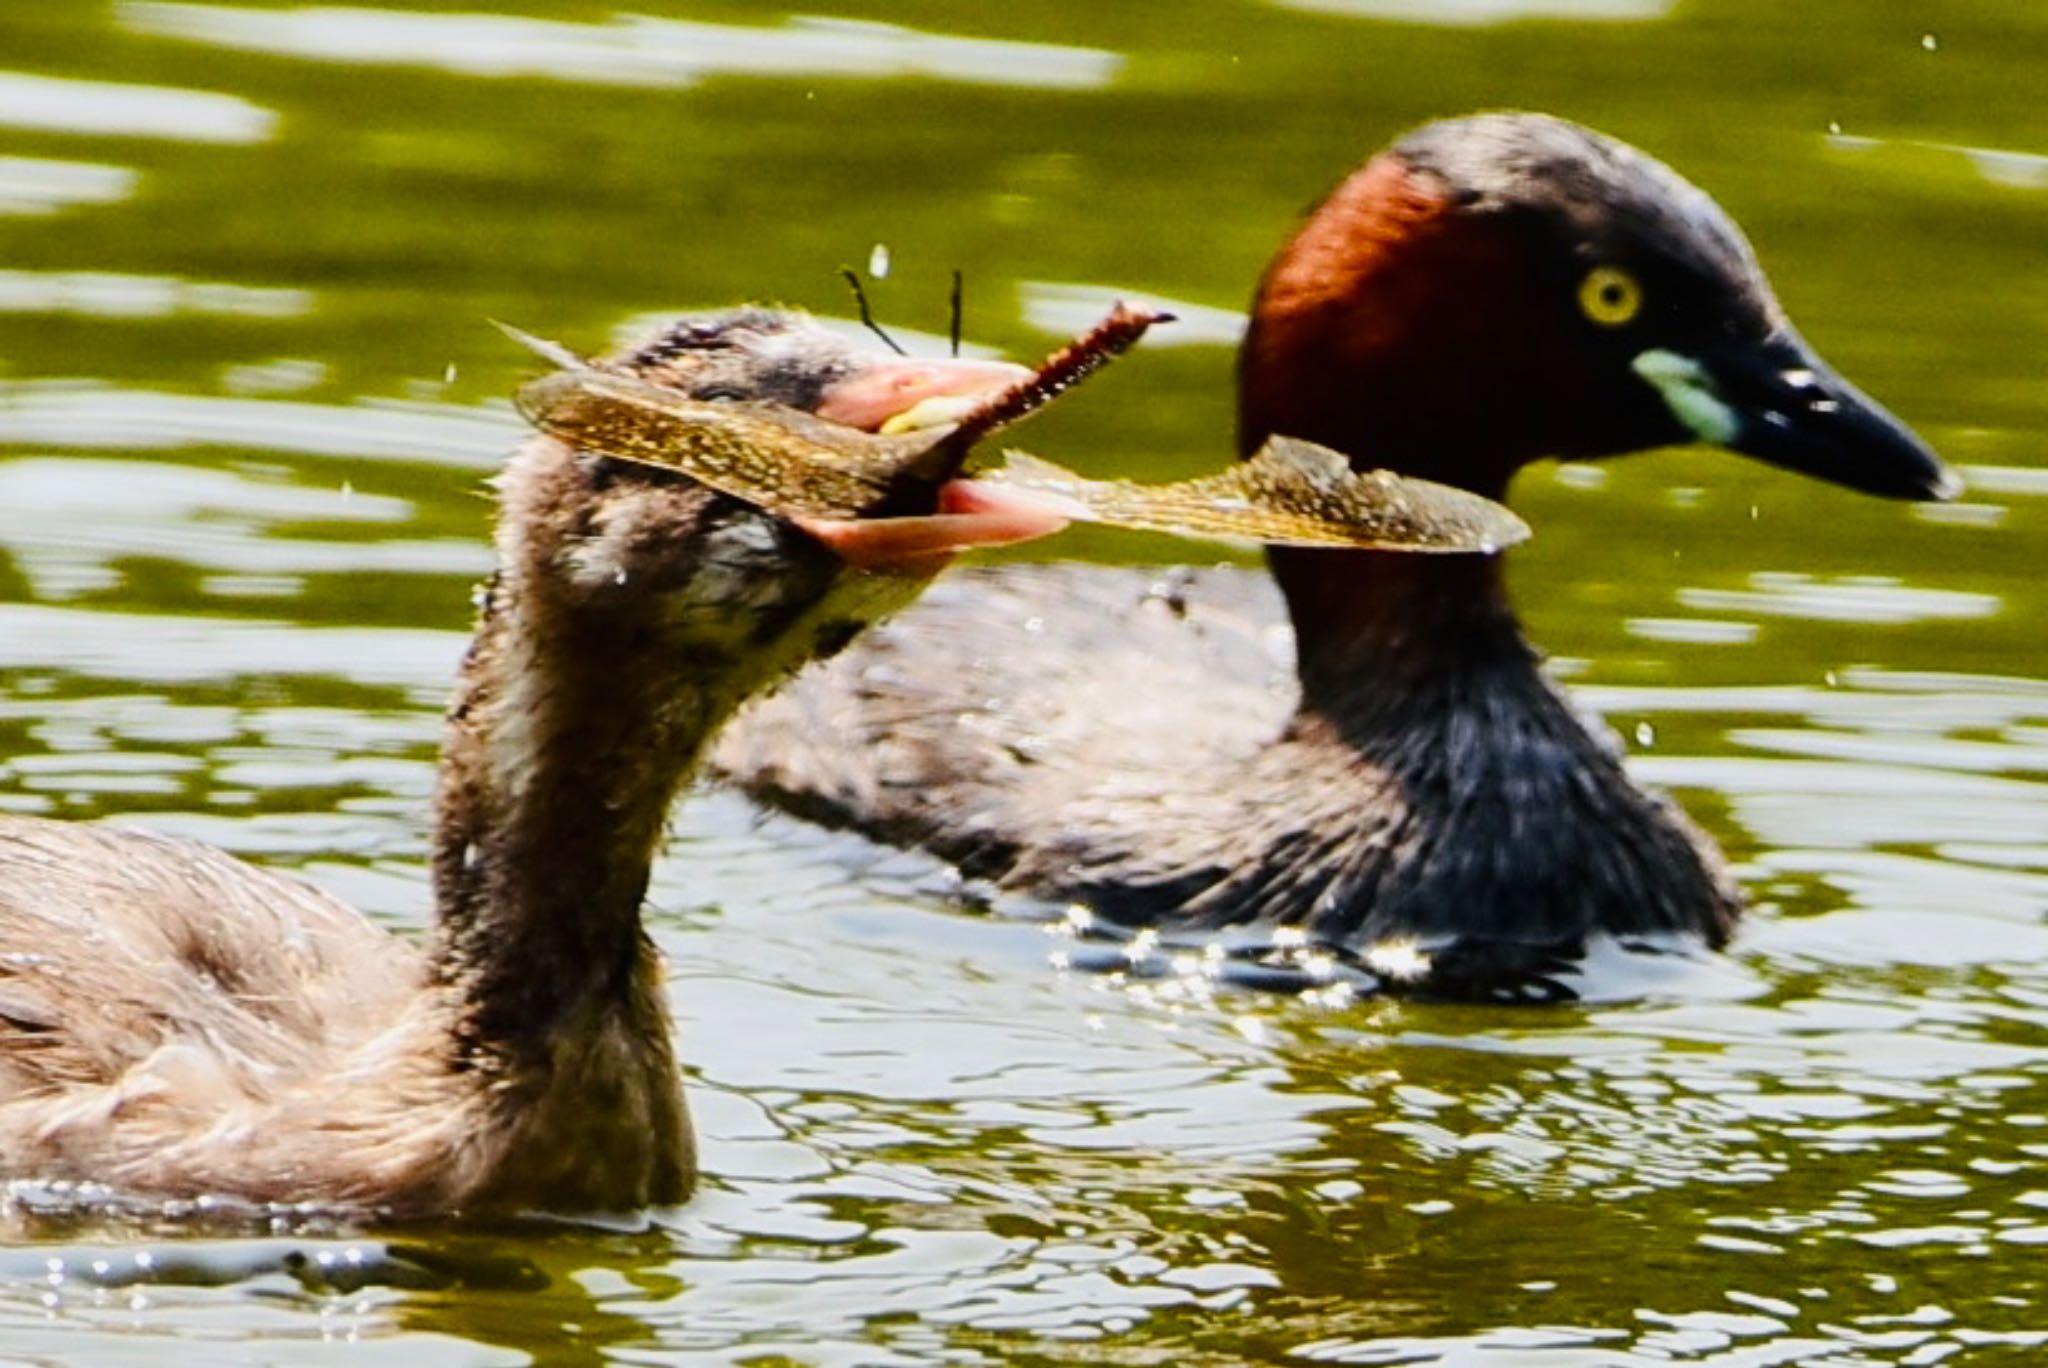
x=2000 y=166
x=1462 y=13
x=2007 y=479
x=118 y=109
x=1693 y=631
x=37 y=185
x=629 y=50
x=1067 y=310
x=84 y=415
x=1859 y=598
x=105 y=294
x=75 y=526
x=155 y=649
x=1342 y=1183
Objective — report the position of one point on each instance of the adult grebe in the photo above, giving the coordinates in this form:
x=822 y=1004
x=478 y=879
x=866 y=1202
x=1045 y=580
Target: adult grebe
x=1414 y=797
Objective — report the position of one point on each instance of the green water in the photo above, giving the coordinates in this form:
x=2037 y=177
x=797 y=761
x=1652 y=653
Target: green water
x=247 y=401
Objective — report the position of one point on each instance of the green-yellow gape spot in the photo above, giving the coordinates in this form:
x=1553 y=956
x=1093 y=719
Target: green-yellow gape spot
x=1689 y=392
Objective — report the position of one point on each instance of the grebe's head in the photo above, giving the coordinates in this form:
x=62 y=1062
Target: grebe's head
x=1504 y=287
x=635 y=560
x=790 y=358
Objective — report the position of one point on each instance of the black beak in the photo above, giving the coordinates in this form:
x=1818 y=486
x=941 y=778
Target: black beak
x=1777 y=401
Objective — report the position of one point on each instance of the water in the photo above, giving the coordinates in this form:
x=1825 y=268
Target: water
x=247 y=401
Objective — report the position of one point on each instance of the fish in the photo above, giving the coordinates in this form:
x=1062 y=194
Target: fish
x=1289 y=493
x=794 y=464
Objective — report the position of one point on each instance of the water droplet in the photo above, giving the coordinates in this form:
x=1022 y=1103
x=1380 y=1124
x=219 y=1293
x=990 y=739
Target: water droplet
x=1646 y=735
x=878 y=261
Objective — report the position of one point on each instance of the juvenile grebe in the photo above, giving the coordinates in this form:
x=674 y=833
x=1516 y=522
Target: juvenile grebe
x=174 y=1023
x=1415 y=796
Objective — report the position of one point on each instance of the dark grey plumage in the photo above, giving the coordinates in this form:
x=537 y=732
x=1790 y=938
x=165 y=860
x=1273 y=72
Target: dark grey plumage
x=1453 y=827
x=1601 y=200
x=1394 y=778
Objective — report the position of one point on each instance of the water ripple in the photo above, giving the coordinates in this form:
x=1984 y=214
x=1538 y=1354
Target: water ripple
x=1862 y=598
x=161 y=649
x=629 y=50
x=71 y=524
x=115 y=109
x=1474 y=13
x=1066 y=309
x=84 y=414
x=109 y=294
x=38 y=185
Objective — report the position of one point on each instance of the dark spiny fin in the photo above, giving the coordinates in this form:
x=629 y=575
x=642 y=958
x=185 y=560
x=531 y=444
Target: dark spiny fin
x=867 y=316
x=553 y=352
x=955 y=301
x=1061 y=371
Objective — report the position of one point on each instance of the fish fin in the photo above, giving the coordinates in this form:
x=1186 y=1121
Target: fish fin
x=553 y=352
x=1021 y=467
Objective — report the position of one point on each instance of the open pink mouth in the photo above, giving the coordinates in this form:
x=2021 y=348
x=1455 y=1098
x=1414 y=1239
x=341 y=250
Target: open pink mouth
x=892 y=388
x=969 y=515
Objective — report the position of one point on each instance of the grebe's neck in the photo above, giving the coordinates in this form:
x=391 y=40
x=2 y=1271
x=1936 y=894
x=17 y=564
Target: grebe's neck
x=1362 y=338
x=627 y=620
x=564 y=749
x=561 y=758
x=1375 y=626
x=565 y=745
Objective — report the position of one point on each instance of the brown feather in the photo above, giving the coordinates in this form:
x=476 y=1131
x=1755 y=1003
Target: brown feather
x=175 y=1023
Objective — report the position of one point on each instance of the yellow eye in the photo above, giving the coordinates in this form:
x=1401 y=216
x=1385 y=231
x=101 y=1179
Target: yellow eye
x=1610 y=296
